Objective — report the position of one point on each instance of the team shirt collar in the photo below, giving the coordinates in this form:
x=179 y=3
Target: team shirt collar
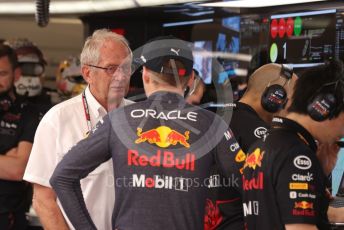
x=95 y=107
x=165 y=96
x=282 y=122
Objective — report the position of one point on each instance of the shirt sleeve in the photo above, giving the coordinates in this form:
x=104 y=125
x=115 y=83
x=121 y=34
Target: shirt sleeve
x=299 y=188
x=43 y=157
x=29 y=124
x=77 y=164
x=230 y=158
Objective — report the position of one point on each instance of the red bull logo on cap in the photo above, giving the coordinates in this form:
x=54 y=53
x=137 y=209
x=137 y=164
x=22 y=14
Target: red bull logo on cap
x=163 y=136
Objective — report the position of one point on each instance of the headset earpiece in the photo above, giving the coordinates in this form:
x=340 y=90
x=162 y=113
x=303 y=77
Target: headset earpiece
x=322 y=107
x=274 y=97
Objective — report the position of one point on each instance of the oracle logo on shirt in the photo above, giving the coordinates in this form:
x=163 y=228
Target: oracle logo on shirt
x=171 y=115
x=302 y=162
x=260 y=132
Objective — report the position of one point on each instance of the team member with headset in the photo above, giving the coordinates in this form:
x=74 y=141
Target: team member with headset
x=103 y=60
x=268 y=90
x=284 y=183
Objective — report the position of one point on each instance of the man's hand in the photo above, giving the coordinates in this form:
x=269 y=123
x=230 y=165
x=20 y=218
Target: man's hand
x=300 y=227
x=13 y=163
x=327 y=155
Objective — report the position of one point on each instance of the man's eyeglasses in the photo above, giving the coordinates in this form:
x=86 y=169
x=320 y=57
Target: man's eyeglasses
x=126 y=69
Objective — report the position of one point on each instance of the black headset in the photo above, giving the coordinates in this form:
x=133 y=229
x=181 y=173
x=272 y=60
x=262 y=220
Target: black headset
x=274 y=97
x=322 y=106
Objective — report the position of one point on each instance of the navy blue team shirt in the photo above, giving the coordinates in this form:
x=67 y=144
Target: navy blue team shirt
x=17 y=124
x=162 y=150
x=283 y=181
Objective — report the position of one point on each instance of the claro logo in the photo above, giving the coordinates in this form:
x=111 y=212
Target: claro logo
x=260 y=132
x=302 y=162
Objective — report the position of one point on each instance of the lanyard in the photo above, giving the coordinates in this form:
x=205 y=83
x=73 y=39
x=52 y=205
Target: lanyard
x=87 y=112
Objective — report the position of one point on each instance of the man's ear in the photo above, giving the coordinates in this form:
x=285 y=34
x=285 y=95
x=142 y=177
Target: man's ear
x=145 y=75
x=17 y=74
x=191 y=80
x=85 y=71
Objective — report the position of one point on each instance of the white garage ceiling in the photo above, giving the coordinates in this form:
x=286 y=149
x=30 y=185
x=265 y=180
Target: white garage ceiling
x=65 y=7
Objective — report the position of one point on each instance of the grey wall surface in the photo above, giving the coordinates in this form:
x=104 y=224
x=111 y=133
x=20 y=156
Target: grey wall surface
x=60 y=39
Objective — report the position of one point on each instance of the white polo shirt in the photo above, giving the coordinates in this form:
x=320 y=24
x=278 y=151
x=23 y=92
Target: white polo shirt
x=60 y=129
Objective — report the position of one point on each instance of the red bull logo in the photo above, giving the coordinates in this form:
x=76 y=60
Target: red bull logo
x=152 y=136
x=255 y=183
x=322 y=108
x=163 y=159
x=240 y=157
x=303 y=205
x=163 y=136
x=253 y=160
x=175 y=137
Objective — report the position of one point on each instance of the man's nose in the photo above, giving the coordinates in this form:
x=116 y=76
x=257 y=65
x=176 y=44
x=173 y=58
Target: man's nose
x=122 y=74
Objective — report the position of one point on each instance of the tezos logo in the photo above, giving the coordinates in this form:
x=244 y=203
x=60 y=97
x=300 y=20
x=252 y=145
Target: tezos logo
x=260 y=132
x=302 y=162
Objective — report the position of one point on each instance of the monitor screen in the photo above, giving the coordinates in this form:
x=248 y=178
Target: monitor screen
x=341 y=187
x=339 y=48
x=303 y=39
x=228 y=45
x=254 y=36
x=202 y=60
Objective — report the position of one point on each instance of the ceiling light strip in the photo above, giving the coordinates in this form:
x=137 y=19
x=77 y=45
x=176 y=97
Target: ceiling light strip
x=82 y=6
x=256 y=3
x=171 y=24
x=303 y=14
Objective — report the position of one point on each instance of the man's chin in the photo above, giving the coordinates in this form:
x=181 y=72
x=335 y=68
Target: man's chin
x=115 y=97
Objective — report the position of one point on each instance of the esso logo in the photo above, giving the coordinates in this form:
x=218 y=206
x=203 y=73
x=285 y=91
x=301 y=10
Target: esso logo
x=260 y=132
x=302 y=162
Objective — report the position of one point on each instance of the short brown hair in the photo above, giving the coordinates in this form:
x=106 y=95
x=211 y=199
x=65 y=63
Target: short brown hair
x=6 y=51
